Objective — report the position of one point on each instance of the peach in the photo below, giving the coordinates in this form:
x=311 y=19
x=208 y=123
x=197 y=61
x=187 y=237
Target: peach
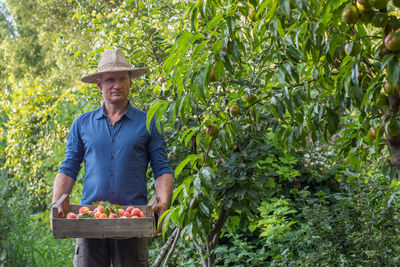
x=97 y=214
x=123 y=217
x=83 y=209
x=113 y=215
x=129 y=209
x=103 y=216
x=136 y=212
x=126 y=214
x=121 y=212
x=134 y=216
x=100 y=208
x=71 y=215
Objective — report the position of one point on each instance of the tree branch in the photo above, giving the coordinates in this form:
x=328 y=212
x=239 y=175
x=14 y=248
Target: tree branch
x=172 y=247
x=200 y=249
x=216 y=231
x=222 y=194
x=167 y=5
x=165 y=249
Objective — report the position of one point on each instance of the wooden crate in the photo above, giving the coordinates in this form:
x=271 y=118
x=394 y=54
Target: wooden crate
x=102 y=228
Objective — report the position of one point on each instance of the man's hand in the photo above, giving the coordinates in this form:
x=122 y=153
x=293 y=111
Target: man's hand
x=164 y=187
x=159 y=207
x=61 y=214
x=63 y=184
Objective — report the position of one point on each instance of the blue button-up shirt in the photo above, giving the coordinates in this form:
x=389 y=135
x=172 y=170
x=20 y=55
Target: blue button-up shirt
x=116 y=156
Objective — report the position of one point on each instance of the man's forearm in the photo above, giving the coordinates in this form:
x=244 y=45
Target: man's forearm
x=164 y=187
x=63 y=184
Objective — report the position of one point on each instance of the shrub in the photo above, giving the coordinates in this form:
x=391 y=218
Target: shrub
x=357 y=226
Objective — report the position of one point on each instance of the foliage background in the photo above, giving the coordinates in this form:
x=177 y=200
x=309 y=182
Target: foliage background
x=295 y=178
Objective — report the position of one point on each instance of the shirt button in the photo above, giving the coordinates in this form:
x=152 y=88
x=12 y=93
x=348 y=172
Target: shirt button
x=112 y=157
x=113 y=140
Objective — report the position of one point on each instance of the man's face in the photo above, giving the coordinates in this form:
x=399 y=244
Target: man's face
x=115 y=86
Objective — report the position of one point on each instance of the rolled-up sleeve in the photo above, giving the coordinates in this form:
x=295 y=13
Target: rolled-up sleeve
x=158 y=152
x=74 y=152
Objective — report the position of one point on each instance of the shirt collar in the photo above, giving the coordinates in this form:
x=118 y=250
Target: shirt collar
x=128 y=112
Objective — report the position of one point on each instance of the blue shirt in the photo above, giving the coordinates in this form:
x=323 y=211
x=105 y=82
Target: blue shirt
x=116 y=157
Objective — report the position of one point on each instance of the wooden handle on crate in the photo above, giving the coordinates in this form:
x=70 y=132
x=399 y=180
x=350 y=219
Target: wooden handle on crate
x=64 y=201
x=149 y=207
x=149 y=210
x=151 y=202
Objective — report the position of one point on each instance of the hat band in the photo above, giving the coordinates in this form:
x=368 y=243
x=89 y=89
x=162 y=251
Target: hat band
x=105 y=66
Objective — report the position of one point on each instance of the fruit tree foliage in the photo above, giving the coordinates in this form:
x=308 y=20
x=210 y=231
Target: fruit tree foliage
x=303 y=74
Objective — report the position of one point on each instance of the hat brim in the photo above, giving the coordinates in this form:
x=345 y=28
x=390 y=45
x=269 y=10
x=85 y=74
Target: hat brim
x=92 y=78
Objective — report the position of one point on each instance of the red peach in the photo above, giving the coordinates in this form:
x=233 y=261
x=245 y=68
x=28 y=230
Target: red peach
x=103 y=216
x=71 y=215
x=135 y=211
x=121 y=212
x=135 y=216
x=129 y=209
x=100 y=208
x=97 y=214
x=83 y=209
x=126 y=214
x=123 y=217
x=113 y=215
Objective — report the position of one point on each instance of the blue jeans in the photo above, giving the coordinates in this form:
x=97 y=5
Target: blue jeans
x=102 y=252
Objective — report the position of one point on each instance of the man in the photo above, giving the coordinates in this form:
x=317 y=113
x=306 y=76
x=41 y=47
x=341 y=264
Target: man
x=116 y=148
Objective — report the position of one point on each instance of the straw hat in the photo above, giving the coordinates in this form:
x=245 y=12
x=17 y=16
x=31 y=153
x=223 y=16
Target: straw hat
x=113 y=60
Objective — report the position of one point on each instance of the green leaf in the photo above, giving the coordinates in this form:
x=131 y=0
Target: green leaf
x=272 y=11
x=204 y=208
x=201 y=87
x=192 y=157
x=219 y=70
x=393 y=71
x=152 y=112
x=285 y=7
x=279 y=27
x=214 y=22
x=270 y=183
x=207 y=173
x=165 y=218
x=199 y=48
x=196 y=187
x=160 y=112
x=193 y=19
x=176 y=193
x=386 y=60
x=262 y=8
x=193 y=130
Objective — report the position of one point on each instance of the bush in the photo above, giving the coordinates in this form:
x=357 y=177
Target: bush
x=30 y=243
x=357 y=226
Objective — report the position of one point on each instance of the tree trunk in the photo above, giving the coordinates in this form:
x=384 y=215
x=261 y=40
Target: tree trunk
x=394 y=141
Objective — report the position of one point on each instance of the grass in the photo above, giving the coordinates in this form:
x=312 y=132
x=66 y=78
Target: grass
x=30 y=243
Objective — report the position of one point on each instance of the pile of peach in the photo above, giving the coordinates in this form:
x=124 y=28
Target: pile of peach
x=100 y=213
